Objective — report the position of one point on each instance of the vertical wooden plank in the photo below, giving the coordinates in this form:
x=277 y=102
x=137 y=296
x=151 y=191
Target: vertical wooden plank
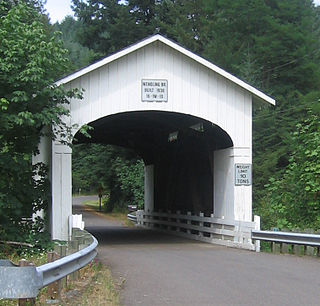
x=275 y=248
x=213 y=84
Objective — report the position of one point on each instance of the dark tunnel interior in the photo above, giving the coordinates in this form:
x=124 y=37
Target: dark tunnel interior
x=179 y=146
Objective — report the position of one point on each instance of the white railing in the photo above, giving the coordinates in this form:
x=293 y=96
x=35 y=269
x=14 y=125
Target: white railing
x=199 y=227
x=132 y=217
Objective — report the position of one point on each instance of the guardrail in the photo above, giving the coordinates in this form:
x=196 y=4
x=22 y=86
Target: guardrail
x=199 y=227
x=290 y=242
x=287 y=237
x=25 y=282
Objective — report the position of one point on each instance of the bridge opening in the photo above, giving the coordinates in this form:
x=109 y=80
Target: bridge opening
x=177 y=147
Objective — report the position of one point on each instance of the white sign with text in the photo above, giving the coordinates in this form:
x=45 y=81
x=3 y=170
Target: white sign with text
x=243 y=174
x=154 y=90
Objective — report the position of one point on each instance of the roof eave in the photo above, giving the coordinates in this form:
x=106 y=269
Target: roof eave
x=255 y=92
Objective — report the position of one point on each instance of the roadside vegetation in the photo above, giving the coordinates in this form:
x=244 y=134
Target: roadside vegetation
x=94 y=286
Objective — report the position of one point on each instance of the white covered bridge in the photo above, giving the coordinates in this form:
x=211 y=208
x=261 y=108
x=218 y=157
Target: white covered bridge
x=189 y=120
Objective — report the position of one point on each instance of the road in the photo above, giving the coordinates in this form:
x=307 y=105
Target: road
x=159 y=269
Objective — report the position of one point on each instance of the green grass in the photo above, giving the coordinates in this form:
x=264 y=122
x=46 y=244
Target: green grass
x=94 y=286
x=113 y=216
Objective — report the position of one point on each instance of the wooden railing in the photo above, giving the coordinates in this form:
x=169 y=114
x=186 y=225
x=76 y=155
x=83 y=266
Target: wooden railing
x=209 y=229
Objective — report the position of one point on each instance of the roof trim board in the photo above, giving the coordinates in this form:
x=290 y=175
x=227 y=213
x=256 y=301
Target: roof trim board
x=255 y=92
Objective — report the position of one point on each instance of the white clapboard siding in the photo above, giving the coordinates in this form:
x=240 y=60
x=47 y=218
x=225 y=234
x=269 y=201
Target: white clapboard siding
x=192 y=89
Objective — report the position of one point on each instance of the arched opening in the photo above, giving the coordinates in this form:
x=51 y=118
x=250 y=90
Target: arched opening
x=179 y=147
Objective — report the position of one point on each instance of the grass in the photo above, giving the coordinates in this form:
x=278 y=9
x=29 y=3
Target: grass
x=94 y=286
x=37 y=258
x=102 y=290
x=113 y=216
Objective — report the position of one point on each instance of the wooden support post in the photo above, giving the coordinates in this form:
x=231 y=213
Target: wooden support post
x=284 y=248
x=30 y=301
x=275 y=248
x=211 y=226
x=178 y=220
x=310 y=251
x=75 y=248
x=188 y=222
x=54 y=288
x=298 y=250
x=201 y=214
x=61 y=250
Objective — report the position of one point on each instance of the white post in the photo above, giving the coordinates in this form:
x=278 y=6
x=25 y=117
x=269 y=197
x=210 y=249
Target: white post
x=242 y=192
x=201 y=214
x=61 y=207
x=223 y=184
x=256 y=221
x=149 y=188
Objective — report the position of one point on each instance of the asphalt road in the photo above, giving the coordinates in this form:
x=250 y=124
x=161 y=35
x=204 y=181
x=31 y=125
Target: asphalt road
x=159 y=269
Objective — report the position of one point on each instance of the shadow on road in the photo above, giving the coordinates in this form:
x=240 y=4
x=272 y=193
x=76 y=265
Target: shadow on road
x=114 y=233
x=117 y=235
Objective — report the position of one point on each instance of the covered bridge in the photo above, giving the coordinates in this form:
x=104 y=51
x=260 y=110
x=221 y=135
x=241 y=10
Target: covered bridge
x=189 y=120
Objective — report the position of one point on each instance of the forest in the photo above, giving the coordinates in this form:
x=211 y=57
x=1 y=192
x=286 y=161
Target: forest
x=274 y=45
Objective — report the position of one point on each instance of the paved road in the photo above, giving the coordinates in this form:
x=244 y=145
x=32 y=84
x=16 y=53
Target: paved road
x=158 y=269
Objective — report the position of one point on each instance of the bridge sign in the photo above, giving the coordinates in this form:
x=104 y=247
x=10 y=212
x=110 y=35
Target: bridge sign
x=243 y=174
x=154 y=90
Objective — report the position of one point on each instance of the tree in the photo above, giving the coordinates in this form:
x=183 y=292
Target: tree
x=79 y=56
x=106 y=26
x=294 y=198
x=30 y=61
x=118 y=171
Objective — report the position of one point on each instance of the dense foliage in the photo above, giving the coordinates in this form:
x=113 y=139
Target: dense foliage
x=292 y=200
x=118 y=172
x=78 y=55
x=30 y=61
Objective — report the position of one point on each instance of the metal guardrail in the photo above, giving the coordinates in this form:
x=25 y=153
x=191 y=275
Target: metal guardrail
x=25 y=282
x=287 y=237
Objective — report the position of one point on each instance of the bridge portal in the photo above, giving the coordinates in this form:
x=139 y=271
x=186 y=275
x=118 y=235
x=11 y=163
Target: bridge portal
x=189 y=120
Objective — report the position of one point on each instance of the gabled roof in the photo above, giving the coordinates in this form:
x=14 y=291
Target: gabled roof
x=178 y=48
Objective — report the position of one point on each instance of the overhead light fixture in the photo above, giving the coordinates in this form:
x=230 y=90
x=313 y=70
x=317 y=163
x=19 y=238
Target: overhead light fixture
x=197 y=127
x=173 y=136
